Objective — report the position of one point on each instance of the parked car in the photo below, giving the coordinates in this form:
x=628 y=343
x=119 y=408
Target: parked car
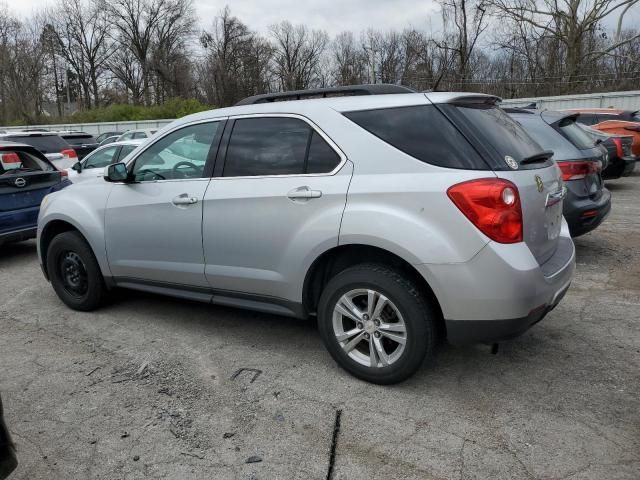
x=8 y=457
x=612 y=121
x=109 y=140
x=92 y=166
x=83 y=143
x=391 y=218
x=26 y=176
x=621 y=159
x=104 y=135
x=587 y=202
x=137 y=134
x=54 y=147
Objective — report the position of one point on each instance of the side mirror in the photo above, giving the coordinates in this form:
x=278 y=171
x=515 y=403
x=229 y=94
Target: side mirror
x=116 y=172
x=77 y=167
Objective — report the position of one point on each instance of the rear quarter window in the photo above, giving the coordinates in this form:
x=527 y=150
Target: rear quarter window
x=575 y=134
x=423 y=132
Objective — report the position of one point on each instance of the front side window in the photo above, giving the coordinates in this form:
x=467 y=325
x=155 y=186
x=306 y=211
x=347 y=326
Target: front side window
x=277 y=146
x=182 y=154
x=101 y=159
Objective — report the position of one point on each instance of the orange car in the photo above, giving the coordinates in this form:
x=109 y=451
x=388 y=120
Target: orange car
x=613 y=120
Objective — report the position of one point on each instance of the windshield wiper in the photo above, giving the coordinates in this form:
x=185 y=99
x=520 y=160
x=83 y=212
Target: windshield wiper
x=537 y=158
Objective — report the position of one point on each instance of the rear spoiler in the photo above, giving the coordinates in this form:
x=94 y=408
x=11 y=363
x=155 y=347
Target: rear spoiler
x=476 y=99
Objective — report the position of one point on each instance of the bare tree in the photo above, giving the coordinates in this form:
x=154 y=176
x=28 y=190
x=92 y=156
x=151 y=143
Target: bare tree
x=297 y=55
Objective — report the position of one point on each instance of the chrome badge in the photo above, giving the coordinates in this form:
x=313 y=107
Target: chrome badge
x=511 y=162
x=20 y=182
x=539 y=183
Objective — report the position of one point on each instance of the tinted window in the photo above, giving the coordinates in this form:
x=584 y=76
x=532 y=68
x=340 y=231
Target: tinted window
x=587 y=119
x=44 y=143
x=20 y=161
x=422 y=132
x=500 y=132
x=322 y=158
x=79 y=139
x=267 y=146
x=179 y=155
x=575 y=134
x=101 y=159
x=125 y=150
x=139 y=135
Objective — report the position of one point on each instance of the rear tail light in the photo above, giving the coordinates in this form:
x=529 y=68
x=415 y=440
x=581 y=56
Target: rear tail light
x=69 y=154
x=619 y=150
x=492 y=205
x=63 y=173
x=578 y=170
x=10 y=157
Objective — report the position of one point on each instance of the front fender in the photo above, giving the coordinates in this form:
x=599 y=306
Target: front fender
x=82 y=207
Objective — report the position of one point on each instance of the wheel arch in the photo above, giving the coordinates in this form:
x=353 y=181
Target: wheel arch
x=341 y=257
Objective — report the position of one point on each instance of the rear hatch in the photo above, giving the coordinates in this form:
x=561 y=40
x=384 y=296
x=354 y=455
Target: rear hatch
x=591 y=185
x=513 y=155
x=24 y=180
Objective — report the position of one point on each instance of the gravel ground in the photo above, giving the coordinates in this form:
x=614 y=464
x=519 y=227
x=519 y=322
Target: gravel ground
x=151 y=387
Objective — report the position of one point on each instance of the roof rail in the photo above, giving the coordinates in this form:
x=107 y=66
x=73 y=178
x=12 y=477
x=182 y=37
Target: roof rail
x=349 y=90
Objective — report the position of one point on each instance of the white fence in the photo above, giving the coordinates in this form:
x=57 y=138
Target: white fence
x=97 y=128
x=625 y=100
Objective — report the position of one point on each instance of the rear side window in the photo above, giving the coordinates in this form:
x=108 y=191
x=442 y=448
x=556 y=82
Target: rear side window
x=44 y=143
x=277 y=146
x=422 y=132
x=125 y=150
x=575 y=134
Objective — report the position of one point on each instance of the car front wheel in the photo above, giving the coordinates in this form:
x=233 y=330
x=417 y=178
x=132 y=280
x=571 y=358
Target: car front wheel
x=376 y=323
x=74 y=272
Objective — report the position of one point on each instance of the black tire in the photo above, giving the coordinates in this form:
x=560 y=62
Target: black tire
x=70 y=250
x=418 y=316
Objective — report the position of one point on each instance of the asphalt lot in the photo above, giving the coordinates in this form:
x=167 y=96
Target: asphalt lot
x=145 y=387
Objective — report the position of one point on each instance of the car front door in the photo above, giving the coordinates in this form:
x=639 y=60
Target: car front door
x=275 y=202
x=153 y=224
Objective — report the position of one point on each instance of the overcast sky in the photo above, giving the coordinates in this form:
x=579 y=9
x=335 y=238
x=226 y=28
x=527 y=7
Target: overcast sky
x=333 y=16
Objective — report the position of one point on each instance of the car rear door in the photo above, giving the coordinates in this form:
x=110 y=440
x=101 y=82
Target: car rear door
x=153 y=224
x=274 y=204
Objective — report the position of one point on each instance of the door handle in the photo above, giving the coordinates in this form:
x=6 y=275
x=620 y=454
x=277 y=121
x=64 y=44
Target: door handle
x=184 y=199
x=303 y=193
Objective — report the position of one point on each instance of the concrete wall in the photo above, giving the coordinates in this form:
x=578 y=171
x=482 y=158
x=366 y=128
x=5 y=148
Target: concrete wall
x=626 y=100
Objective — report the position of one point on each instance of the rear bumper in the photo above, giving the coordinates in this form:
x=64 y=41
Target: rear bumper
x=619 y=167
x=583 y=214
x=501 y=292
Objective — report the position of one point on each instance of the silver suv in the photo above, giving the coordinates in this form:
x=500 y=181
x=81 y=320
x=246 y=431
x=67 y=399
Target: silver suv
x=394 y=219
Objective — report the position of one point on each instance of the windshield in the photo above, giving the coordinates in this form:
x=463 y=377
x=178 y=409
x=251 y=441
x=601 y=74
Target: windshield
x=576 y=135
x=11 y=161
x=504 y=135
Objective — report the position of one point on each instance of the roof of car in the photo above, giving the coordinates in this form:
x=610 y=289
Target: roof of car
x=340 y=104
x=549 y=116
x=133 y=141
x=610 y=111
x=27 y=134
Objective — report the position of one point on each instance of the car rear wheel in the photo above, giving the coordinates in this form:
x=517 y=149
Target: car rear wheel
x=376 y=323
x=74 y=272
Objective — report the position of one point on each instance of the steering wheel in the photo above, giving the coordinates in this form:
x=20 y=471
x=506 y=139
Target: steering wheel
x=188 y=165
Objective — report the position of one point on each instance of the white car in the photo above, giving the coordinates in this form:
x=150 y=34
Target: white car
x=92 y=166
x=137 y=134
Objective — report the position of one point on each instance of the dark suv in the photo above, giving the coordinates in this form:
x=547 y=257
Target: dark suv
x=587 y=202
x=26 y=176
